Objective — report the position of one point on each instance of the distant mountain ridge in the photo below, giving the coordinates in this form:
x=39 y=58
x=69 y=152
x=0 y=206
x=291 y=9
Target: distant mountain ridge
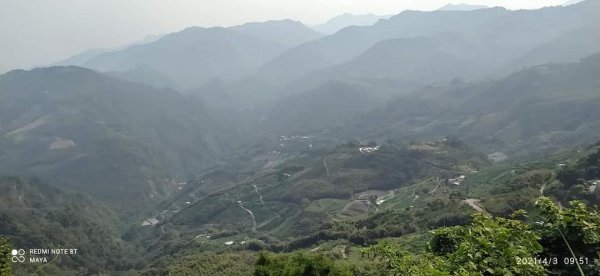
x=494 y=42
x=85 y=56
x=286 y=32
x=224 y=151
x=278 y=55
x=539 y=109
x=461 y=7
x=346 y=20
x=572 y=2
x=195 y=55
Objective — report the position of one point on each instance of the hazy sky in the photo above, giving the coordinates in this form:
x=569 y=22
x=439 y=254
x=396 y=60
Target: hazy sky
x=39 y=32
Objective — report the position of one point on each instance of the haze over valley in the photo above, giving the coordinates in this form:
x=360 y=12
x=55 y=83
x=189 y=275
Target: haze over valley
x=438 y=139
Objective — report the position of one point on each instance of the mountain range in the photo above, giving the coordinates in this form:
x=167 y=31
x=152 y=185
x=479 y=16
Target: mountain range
x=196 y=55
x=461 y=7
x=492 y=42
x=339 y=22
x=547 y=107
x=191 y=152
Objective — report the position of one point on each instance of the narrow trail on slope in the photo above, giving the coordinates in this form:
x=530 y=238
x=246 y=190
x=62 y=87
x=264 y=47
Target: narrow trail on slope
x=436 y=187
x=285 y=221
x=177 y=207
x=474 y=203
x=251 y=215
x=191 y=204
x=326 y=168
x=268 y=221
x=260 y=197
x=543 y=188
x=415 y=196
x=194 y=196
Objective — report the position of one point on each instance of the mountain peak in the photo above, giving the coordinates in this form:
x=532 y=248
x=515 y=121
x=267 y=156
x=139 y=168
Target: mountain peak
x=288 y=22
x=47 y=71
x=286 y=32
x=571 y=2
x=461 y=7
x=346 y=20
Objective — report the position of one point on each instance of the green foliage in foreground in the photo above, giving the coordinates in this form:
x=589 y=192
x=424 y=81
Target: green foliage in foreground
x=486 y=246
x=299 y=264
x=501 y=246
x=5 y=255
x=572 y=233
x=212 y=264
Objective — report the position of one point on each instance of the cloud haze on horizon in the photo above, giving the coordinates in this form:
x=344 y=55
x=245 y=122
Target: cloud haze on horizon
x=38 y=32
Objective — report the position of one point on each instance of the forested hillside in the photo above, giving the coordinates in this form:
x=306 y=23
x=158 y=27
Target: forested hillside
x=479 y=226
x=543 y=108
x=35 y=215
x=118 y=140
x=456 y=141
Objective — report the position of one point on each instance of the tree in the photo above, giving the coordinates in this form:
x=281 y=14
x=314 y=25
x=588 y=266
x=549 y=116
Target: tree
x=568 y=176
x=569 y=232
x=506 y=246
x=491 y=246
x=402 y=262
x=298 y=264
x=495 y=246
x=592 y=172
x=445 y=241
x=5 y=256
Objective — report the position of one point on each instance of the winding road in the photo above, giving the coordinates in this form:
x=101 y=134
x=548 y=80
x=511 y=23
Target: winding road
x=343 y=251
x=474 y=203
x=177 y=207
x=251 y=215
x=194 y=196
x=260 y=197
x=439 y=182
x=543 y=188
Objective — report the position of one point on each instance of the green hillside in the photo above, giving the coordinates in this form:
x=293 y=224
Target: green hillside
x=35 y=215
x=121 y=141
x=539 y=109
x=331 y=239
x=458 y=141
